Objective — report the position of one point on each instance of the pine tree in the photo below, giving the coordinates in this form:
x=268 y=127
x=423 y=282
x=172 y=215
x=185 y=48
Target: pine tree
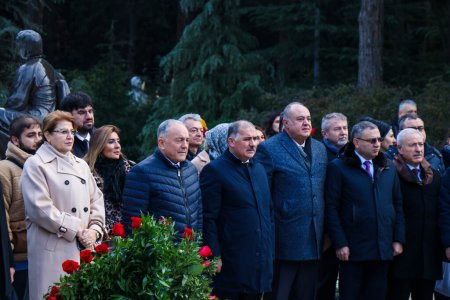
x=213 y=69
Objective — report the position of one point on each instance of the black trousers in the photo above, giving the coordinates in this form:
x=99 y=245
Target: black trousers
x=328 y=272
x=20 y=284
x=294 y=280
x=419 y=289
x=363 y=280
x=237 y=296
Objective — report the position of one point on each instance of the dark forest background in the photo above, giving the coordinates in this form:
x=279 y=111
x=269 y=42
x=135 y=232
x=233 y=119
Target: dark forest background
x=230 y=59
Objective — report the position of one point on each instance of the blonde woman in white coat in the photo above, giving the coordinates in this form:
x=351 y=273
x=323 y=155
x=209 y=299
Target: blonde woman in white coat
x=64 y=208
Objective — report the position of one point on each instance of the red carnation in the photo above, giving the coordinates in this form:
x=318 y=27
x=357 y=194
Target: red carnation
x=54 y=290
x=206 y=264
x=212 y=297
x=86 y=256
x=51 y=297
x=313 y=131
x=119 y=230
x=70 y=266
x=102 y=249
x=205 y=251
x=188 y=234
x=136 y=222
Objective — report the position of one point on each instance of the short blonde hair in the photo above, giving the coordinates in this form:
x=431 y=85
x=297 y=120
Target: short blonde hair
x=53 y=118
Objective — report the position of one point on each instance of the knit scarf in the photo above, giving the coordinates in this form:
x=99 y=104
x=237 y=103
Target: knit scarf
x=112 y=172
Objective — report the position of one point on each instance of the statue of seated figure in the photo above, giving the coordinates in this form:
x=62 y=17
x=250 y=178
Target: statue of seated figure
x=34 y=91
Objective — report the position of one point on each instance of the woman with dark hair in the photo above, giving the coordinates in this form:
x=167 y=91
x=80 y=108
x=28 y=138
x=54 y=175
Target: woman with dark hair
x=64 y=207
x=109 y=167
x=271 y=124
x=261 y=134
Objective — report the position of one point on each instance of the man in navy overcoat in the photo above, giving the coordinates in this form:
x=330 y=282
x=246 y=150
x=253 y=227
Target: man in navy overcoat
x=237 y=217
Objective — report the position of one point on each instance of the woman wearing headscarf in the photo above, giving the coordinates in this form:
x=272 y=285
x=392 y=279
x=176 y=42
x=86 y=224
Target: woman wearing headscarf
x=216 y=144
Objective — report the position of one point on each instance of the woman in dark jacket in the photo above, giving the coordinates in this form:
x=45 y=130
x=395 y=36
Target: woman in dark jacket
x=109 y=167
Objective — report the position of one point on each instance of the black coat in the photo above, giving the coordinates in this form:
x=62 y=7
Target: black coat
x=238 y=223
x=422 y=251
x=444 y=209
x=155 y=186
x=363 y=215
x=6 y=255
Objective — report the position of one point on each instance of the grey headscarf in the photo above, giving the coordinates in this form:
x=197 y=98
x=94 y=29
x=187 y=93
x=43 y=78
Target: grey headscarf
x=216 y=140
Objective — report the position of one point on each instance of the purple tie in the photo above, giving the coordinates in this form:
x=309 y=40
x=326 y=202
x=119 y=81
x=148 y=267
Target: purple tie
x=416 y=172
x=367 y=167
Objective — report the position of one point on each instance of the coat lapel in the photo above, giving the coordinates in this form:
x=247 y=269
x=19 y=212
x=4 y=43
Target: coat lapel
x=62 y=166
x=292 y=150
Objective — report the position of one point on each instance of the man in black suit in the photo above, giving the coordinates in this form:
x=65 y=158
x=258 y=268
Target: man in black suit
x=364 y=215
x=79 y=104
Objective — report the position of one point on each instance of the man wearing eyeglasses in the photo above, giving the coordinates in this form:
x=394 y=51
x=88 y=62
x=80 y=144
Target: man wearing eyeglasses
x=79 y=104
x=195 y=129
x=363 y=214
x=432 y=155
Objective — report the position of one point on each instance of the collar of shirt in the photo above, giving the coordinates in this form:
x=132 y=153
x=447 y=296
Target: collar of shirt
x=362 y=159
x=78 y=136
x=244 y=162
x=412 y=168
x=302 y=146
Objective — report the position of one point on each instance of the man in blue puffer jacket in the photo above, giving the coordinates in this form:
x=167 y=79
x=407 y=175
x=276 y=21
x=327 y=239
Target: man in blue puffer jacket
x=165 y=184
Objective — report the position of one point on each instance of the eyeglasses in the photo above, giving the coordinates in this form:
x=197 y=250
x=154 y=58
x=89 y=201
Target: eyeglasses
x=372 y=141
x=65 y=131
x=418 y=128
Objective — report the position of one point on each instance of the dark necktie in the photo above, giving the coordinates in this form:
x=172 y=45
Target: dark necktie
x=416 y=172
x=86 y=144
x=367 y=167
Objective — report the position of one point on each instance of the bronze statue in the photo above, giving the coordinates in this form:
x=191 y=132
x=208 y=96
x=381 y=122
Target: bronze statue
x=35 y=89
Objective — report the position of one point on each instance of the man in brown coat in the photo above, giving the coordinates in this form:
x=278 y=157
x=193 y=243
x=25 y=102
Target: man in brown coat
x=25 y=138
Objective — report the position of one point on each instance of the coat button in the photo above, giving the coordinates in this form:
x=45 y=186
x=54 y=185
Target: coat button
x=66 y=182
x=74 y=210
x=83 y=181
x=86 y=209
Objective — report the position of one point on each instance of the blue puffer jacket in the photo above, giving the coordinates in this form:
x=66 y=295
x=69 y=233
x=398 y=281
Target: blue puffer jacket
x=155 y=186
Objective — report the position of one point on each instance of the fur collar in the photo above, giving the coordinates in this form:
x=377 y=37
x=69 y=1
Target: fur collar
x=408 y=175
x=349 y=157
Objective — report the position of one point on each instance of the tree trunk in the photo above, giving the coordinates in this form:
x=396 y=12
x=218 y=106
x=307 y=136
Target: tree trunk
x=371 y=19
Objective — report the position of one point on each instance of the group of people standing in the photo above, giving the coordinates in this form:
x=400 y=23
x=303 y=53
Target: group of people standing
x=285 y=214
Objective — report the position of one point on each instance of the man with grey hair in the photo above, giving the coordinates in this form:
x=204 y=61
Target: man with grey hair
x=364 y=214
x=432 y=155
x=238 y=212
x=334 y=137
x=196 y=137
x=295 y=164
x=413 y=274
x=165 y=184
x=334 y=133
x=405 y=107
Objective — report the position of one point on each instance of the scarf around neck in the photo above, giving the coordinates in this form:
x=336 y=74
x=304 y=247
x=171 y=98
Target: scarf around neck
x=112 y=173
